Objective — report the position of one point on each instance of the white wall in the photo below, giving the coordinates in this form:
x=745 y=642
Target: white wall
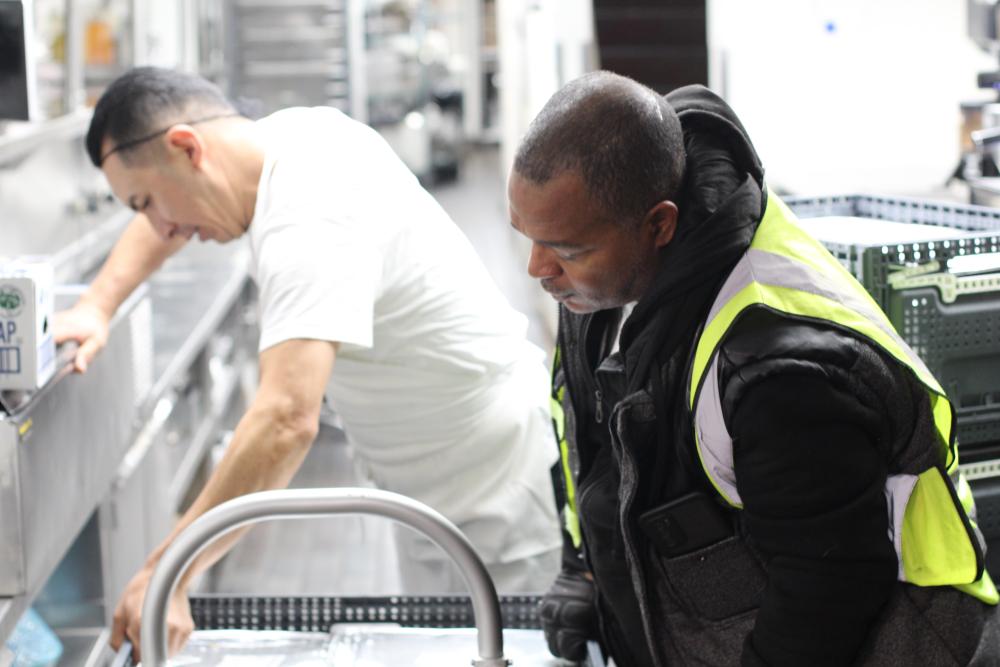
x=848 y=95
x=542 y=45
x=164 y=34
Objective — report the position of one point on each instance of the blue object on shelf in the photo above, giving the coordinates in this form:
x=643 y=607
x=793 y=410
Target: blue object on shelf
x=33 y=643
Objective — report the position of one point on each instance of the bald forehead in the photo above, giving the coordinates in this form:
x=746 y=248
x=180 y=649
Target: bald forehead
x=565 y=185
x=557 y=200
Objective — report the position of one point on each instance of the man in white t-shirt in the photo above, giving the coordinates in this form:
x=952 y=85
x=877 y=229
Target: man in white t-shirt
x=369 y=295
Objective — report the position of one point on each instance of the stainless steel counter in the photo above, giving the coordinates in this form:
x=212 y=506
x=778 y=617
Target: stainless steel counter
x=94 y=468
x=205 y=339
x=191 y=294
x=58 y=455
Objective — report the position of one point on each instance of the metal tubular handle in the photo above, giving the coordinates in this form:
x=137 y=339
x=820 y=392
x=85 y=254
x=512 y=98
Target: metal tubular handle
x=304 y=503
x=986 y=136
x=124 y=656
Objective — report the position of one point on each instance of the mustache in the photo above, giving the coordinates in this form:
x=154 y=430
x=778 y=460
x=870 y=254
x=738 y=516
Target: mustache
x=553 y=291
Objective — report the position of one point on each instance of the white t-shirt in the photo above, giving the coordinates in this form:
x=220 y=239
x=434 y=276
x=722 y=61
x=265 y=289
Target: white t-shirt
x=440 y=392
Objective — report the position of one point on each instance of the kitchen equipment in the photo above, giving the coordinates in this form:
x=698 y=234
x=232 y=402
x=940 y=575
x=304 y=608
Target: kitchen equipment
x=314 y=614
x=27 y=349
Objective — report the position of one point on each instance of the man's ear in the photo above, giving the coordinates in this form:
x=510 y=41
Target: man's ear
x=185 y=139
x=661 y=221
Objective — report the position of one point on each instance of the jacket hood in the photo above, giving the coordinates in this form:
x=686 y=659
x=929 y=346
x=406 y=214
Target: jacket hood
x=720 y=203
x=703 y=112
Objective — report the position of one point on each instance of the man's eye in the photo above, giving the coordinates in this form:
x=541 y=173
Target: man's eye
x=568 y=256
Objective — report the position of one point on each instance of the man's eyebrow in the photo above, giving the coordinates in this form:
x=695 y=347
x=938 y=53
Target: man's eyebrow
x=563 y=245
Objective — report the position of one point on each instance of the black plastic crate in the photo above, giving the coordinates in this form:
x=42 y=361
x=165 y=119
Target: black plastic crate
x=987 y=494
x=317 y=614
x=952 y=320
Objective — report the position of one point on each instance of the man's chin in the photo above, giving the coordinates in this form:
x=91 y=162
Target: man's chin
x=205 y=238
x=576 y=306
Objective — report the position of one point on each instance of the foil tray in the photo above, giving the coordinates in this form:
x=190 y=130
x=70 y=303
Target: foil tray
x=356 y=645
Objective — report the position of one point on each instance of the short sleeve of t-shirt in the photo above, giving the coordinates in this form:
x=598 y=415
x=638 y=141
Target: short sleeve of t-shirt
x=318 y=279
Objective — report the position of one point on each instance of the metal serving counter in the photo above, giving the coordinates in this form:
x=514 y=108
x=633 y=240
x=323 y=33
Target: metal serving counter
x=205 y=336
x=87 y=463
x=58 y=455
x=94 y=468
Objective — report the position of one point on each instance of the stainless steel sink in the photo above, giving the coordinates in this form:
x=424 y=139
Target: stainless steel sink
x=383 y=643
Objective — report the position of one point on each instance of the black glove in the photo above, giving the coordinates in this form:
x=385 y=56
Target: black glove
x=569 y=616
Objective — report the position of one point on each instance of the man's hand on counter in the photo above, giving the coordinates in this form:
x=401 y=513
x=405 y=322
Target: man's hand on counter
x=128 y=616
x=268 y=447
x=87 y=324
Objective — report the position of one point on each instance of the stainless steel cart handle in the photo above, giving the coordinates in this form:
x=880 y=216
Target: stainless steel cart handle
x=304 y=503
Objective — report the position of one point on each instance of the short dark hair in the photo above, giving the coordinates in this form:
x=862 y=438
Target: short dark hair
x=147 y=99
x=623 y=138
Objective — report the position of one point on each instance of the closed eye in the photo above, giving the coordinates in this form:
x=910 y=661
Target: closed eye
x=138 y=206
x=571 y=256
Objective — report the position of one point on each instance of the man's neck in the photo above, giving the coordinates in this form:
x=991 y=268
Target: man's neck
x=243 y=151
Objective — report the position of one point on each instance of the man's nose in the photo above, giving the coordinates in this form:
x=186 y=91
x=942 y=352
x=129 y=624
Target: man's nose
x=164 y=230
x=542 y=263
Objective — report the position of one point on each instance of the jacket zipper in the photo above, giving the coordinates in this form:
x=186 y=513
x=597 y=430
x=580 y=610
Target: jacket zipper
x=587 y=375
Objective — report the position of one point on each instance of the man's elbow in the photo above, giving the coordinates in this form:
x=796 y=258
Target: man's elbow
x=290 y=427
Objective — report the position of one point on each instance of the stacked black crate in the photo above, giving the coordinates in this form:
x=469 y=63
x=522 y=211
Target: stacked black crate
x=943 y=296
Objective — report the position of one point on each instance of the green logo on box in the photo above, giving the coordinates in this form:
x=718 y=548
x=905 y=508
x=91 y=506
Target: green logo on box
x=11 y=300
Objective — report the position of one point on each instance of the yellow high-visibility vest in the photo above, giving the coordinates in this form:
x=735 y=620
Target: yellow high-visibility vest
x=931 y=513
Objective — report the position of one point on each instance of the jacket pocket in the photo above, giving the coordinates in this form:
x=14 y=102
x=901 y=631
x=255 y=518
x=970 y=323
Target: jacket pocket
x=717 y=582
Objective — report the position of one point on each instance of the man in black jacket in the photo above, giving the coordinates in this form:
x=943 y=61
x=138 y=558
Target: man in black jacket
x=784 y=545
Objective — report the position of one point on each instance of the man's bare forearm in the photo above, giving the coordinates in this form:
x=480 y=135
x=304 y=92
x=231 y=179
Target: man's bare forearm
x=137 y=254
x=265 y=452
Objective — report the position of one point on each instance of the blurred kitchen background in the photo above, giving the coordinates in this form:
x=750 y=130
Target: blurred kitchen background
x=892 y=98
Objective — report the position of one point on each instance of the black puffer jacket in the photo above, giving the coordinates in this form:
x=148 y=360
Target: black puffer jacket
x=818 y=418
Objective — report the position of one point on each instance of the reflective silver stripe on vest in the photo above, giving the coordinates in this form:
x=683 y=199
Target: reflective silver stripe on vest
x=897 y=494
x=715 y=443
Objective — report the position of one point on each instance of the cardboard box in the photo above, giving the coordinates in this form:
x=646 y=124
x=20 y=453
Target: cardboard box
x=27 y=349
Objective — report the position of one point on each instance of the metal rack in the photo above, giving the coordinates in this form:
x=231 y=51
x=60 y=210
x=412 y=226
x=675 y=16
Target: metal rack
x=290 y=53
